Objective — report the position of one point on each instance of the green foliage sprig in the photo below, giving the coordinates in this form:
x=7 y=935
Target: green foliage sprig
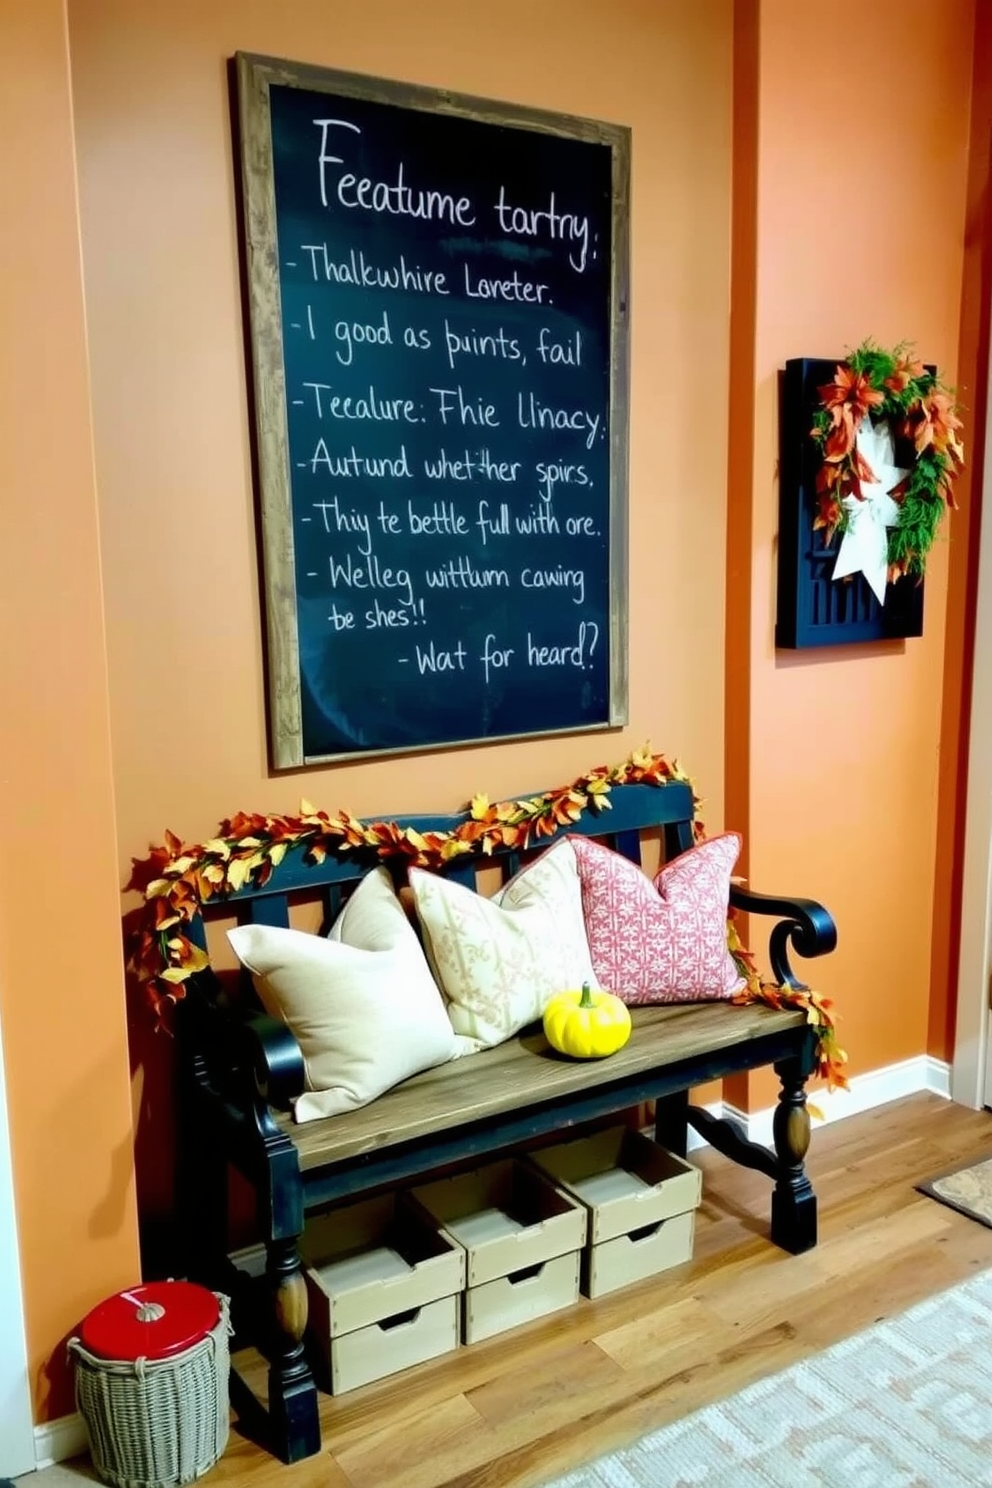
x=889 y=387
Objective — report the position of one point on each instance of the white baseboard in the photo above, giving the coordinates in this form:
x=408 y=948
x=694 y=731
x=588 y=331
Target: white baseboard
x=57 y=1441
x=938 y=1076
x=877 y=1088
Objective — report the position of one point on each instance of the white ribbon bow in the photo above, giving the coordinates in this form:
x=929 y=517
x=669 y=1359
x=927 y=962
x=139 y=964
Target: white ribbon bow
x=865 y=545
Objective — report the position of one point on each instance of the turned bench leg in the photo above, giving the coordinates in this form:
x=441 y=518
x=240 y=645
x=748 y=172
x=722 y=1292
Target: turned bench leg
x=294 y=1422
x=293 y=1425
x=793 y=1200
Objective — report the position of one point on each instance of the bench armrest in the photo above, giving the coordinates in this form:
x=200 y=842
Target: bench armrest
x=806 y=925
x=276 y=1059
x=243 y=1054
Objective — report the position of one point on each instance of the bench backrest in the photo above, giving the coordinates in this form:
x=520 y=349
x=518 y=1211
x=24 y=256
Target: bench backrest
x=633 y=810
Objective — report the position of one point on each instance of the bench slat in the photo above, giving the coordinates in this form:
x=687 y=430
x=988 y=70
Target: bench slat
x=629 y=844
x=268 y=909
x=525 y=1070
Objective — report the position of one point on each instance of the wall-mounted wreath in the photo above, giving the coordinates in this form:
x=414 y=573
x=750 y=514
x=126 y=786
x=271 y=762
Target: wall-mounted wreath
x=887 y=430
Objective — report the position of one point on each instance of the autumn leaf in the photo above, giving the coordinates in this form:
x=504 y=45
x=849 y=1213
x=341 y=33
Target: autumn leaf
x=850 y=395
x=165 y=915
x=207 y=883
x=237 y=874
x=863 y=472
x=175 y=974
x=839 y=442
x=906 y=371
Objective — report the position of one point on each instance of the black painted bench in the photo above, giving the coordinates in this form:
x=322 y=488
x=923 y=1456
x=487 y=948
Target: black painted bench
x=240 y=1069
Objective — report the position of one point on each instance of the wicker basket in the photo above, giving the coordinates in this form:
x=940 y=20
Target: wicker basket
x=156 y=1423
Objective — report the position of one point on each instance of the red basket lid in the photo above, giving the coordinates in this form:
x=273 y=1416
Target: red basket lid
x=153 y=1321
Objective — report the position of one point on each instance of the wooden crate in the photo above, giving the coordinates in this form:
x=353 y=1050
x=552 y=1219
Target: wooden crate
x=384 y=1287
x=521 y=1235
x=640 y=1200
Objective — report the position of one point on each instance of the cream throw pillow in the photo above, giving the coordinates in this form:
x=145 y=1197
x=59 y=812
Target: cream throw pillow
x=499 y=960
x=361 y=1004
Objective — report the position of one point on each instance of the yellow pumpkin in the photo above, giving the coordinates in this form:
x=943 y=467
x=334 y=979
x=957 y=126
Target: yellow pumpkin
x=586 y=1024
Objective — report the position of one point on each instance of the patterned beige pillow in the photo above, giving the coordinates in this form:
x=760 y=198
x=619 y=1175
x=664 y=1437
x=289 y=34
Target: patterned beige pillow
x=361 y=1004
x=498 y=961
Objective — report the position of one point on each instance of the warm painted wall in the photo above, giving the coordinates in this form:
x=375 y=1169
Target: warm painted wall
x=161 y=268
x=861 y=177
x=170 y=408
x=179 y=583
x=61 y=986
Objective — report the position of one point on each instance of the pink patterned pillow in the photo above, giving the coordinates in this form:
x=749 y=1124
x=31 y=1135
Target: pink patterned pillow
x=664 y=941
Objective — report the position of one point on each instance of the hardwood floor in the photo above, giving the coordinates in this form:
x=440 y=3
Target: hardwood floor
x=531 y=1404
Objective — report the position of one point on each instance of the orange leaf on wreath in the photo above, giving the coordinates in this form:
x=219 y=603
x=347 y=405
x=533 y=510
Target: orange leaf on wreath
x=906 y=372
x=850 y=395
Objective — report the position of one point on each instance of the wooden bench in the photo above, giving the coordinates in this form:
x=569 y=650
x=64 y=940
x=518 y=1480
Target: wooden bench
x=240 y=1070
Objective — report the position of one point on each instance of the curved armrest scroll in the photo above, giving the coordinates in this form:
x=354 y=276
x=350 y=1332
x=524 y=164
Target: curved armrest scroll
x=241 y=1054
x=275 y=1058
x=806 y=926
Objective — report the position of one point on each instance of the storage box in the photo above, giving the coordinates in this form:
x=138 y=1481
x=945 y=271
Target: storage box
x=521 y=1237
x=640 y=1200
x=384 y=1287
x=635 y=1256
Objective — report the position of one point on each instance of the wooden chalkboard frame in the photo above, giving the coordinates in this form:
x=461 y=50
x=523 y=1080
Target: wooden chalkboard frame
x=255 y=76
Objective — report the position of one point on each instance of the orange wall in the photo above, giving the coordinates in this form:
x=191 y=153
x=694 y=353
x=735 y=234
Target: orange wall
x=841 y=789
x=61 y=990
x=170 y=405
x=862 y=169
x=161 y=268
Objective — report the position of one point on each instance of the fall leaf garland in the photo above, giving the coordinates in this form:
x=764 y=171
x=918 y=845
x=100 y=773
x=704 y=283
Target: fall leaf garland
x=892 y=387
x=176 y=880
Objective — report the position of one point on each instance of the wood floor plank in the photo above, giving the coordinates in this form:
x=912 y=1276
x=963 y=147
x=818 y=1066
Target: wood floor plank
x=579 y=1369
x=405 y=1454
x=519 y=1409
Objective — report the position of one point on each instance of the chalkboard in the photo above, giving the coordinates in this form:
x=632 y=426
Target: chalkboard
x=437 y=291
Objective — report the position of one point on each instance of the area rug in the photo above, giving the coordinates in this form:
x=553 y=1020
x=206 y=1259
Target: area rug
x=969 y=1190
x=905 y=1404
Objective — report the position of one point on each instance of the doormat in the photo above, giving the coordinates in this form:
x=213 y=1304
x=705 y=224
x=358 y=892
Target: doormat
x=968 y=1190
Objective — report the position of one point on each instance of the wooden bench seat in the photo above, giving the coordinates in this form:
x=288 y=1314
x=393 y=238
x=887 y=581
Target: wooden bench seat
x=240 y=1071
x=526 y=1071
